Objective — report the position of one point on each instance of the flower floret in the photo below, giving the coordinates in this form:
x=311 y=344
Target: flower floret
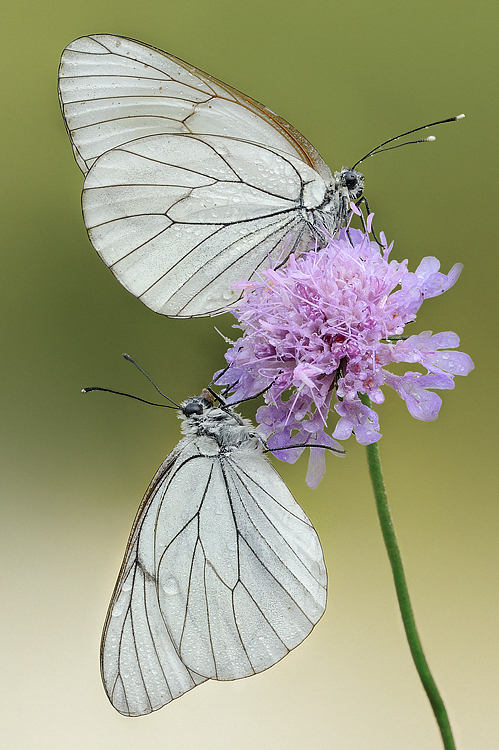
x=326 y=326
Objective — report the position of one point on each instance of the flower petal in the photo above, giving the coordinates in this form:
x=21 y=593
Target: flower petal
x=412 y=387
x=316 y=467
x=356 y=416
x=425 y=348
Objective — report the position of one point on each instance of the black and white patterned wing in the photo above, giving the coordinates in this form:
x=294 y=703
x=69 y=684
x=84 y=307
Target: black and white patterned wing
x=178 y=218
x=223 y=576
x=190 y=184
x=114 y=90
x=140 y=666
x=256 y=580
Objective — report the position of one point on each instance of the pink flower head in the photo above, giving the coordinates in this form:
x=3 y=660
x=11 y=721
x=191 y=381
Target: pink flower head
x=327 y=325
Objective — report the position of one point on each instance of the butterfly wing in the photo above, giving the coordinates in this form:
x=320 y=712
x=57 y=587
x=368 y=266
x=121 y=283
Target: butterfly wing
x=257 y=580
x=140 y=666
x=177 y=218
x=190 y=184
x=114 y=90
x=223 y=576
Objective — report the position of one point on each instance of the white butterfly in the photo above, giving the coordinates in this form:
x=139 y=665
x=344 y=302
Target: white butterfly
x=223 y=573
x=189 y=184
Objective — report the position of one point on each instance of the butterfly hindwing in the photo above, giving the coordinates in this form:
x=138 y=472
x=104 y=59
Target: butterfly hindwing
x=177 y=218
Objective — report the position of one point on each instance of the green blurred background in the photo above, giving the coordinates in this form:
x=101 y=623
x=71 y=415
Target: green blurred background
x=75 y=467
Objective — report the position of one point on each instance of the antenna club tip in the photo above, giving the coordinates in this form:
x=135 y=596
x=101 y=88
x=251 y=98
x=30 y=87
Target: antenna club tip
x=460 y=117
x=85 y=390
x=430 y=138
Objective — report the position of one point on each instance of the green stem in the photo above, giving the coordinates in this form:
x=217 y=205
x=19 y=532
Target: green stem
x=392 y=548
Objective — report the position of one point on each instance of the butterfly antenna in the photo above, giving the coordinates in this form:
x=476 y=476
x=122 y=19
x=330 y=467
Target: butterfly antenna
x=219 y=375
x=337 y=451
x=227 y=388
x=139 y=368
x=255 y=395
x=128 y=395
x=380 y=148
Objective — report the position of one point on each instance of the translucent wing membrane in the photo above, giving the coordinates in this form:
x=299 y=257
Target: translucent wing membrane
x=190 y=185
x=178 y=217
x=113 y=90
x=141 y=668
x=223 y=576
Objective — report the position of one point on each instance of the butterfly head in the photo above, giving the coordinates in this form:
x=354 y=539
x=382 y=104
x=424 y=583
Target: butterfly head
x=202 y=416
x=200 y=409
x=196 y=406
x=346 y=187
x=352 y=182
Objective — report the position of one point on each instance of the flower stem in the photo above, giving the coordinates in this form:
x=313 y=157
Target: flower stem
x=392 y=548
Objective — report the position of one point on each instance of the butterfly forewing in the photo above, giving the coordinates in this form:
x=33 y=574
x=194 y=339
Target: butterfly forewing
x=223 y=576
x=105 y=80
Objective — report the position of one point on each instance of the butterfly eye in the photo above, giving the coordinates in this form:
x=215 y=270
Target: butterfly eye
x=193 y=407
x=351 y=179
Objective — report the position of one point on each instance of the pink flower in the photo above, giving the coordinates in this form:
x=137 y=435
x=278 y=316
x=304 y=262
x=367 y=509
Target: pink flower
x=327 y=325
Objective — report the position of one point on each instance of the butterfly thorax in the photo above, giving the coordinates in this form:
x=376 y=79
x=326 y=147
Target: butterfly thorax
x=334 y=211
x=229 y=430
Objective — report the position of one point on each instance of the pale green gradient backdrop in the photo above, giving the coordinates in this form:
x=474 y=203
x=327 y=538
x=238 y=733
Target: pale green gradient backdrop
x=74 y=467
